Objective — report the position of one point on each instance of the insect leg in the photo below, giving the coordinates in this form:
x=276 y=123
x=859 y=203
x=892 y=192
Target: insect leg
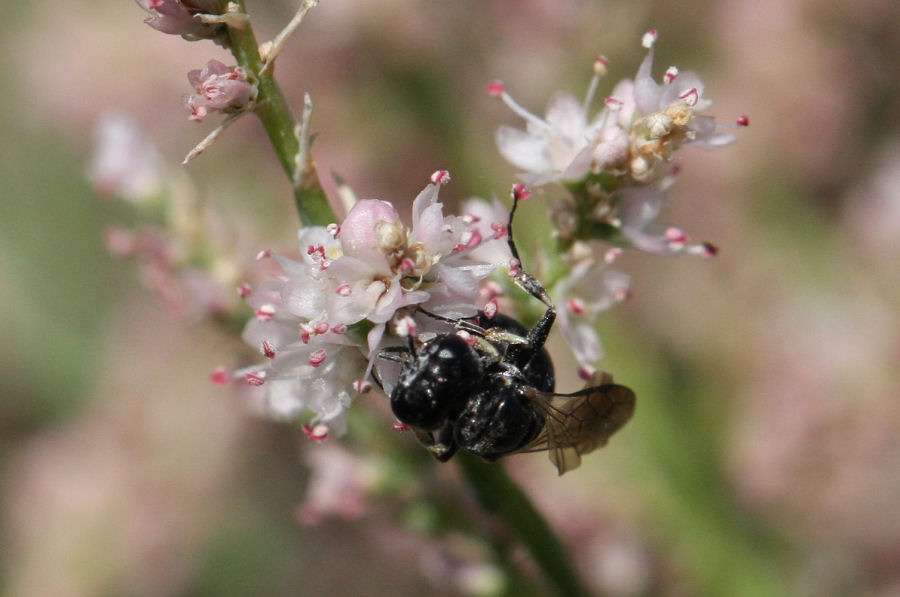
x=537 y=336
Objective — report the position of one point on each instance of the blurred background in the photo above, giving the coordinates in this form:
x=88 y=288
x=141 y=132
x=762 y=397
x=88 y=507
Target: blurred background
x=764 y=457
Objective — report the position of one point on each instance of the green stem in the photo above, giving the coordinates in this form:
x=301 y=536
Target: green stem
x=499 y=494
x=281 y=126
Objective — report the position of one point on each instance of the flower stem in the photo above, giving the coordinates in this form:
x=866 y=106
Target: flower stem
x=498 y=494
x=281 y=126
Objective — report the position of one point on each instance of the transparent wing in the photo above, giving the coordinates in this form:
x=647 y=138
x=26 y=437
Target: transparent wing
x=581 y=422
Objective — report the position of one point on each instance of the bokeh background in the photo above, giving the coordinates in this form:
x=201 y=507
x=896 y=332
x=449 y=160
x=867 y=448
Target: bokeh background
x=764 y=458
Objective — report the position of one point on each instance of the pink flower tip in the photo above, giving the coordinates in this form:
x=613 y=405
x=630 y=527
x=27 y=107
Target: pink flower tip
x=520 y=192
x=441 y=177
x=317 y=357
x=255 y=379
x=576 y=306
x=690 y=97
x=743 y=120
x=496 y=88
x=265 y=312
x=317 y=433
x=671 y=74
x=220 y=376
x=676 y=235
x=586 y=372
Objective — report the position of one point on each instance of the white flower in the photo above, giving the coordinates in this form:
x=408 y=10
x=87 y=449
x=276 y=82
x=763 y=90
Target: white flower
x=590 y=289
x=362 y=272
x=636 y=212
x=560 y=147
x=665 y=116
x=125 y=163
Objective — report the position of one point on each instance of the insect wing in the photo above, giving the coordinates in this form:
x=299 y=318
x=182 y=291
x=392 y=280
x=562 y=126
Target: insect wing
x=581 y=422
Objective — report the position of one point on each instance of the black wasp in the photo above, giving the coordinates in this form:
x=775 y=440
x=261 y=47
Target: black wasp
x=488 y=388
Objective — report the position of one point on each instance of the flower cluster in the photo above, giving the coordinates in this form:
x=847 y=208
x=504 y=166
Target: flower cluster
x=619 y=165
x=218 y=87
x=326 y=316
x=184 y=18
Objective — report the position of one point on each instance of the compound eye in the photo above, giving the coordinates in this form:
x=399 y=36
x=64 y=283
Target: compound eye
x=437 y=385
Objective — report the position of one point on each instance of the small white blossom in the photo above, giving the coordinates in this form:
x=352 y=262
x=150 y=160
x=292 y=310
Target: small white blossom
x=587 y=291
x=125 y=162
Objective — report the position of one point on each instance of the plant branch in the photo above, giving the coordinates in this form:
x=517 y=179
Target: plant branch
x=498 y=494
x=281 y=126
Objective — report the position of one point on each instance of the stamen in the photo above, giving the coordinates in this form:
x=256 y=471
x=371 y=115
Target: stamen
x=265 y=312
x=491 y=308
x=441 y=177
x=264 y=254
x=586 y=372
x=649 y=38
x=576 y=306
x=399 y=427
x=496 y=89
x=612 y=255
x=255 y=379
x=317 y=433
x=317 y=357
x=671 y=74
x=268 y=349
x=244 y=290
x=601 y=65
x=743 y=120
x=690 y=97
x=469 y=240
x=220 y=376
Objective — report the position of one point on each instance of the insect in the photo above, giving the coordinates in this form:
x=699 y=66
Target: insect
x=488 y=388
